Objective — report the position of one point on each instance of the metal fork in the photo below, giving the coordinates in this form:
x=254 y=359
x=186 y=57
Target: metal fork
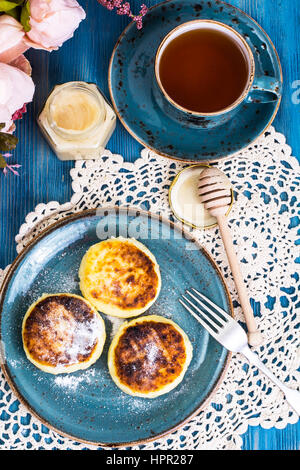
x=231 y=335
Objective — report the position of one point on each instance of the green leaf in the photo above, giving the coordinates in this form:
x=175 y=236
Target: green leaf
x=2 y=124
x=2 y=161
x=7 y=141
x=7 y=5
x=25 y=17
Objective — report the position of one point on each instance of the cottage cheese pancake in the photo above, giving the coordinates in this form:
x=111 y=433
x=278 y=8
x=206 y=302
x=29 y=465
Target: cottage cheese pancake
x=120 y=277
x=149 y=356
x=62 y=333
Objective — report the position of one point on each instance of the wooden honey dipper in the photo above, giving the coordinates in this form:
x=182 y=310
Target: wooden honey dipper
x=215 y=194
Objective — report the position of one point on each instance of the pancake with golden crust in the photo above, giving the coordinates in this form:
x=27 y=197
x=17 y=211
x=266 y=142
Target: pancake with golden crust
x=120 y=277
x=149 y=356
x=62 y=333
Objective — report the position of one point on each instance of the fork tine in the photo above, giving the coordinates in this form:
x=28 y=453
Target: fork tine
x=221 y=321
x=216 y=307
x=204 y=317
x=198 y=318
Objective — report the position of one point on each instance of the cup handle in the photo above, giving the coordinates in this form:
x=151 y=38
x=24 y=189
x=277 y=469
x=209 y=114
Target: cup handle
x=264 y=90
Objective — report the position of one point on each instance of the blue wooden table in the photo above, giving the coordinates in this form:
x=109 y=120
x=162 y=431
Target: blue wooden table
x=45 y=178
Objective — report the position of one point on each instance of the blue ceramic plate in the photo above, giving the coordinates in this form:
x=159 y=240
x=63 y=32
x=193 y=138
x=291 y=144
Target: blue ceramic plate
x=131 y=82
x=87 y=405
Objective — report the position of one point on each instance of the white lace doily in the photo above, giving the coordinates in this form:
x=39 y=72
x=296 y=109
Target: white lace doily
x=264 y=224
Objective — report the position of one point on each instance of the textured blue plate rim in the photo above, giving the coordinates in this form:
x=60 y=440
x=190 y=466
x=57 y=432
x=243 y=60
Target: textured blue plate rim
x=58 y=224
x=202 y=161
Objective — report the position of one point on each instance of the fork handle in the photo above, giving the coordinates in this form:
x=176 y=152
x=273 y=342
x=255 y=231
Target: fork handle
x=254 y=336
x=292 y=396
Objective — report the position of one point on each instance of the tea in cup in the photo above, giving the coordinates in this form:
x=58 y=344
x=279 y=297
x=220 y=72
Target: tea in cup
x=205 y=68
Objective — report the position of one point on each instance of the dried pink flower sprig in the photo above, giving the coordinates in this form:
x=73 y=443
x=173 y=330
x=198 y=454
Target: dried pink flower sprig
x=123 y=8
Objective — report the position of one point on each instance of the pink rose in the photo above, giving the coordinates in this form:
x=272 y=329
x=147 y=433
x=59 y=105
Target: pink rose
x=12 y=42
x=16 y=88
x=22 y=63
x=53 y=22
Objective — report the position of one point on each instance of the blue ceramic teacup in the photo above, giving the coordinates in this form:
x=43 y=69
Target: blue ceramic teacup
x=258 y=88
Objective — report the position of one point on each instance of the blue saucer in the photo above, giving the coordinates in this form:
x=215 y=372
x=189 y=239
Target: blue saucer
x=133 y=91
x=87 y=405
